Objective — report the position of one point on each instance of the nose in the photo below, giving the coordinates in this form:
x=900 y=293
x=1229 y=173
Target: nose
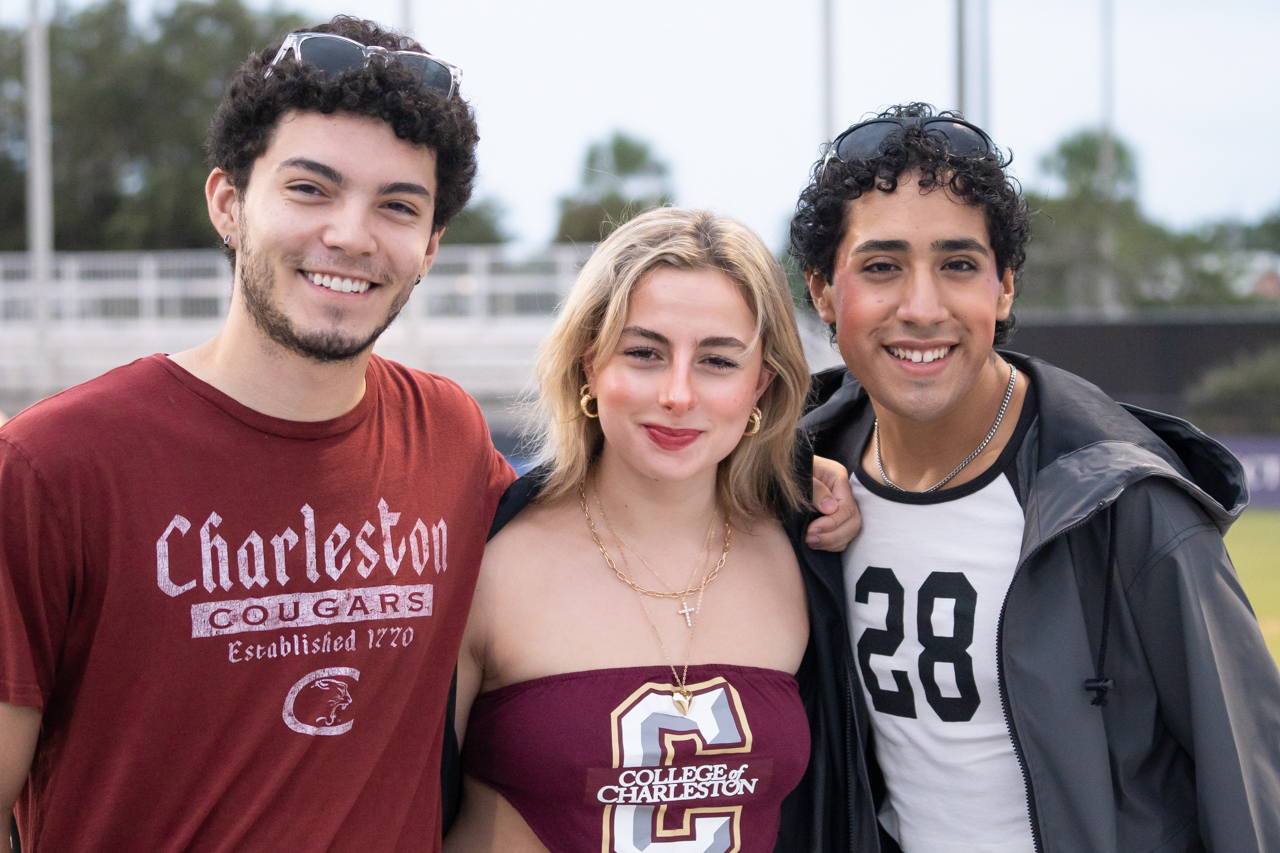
x=348 y=230
x=677 y=395
x=922 y=301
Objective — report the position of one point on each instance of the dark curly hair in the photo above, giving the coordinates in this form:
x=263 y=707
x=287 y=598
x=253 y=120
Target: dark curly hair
x=243 y=125
x=820 y=222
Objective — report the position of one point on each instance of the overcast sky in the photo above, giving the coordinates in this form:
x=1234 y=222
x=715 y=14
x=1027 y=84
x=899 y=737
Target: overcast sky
x=727 y=91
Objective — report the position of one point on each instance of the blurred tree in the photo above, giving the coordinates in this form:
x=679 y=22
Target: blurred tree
x=1242 y=398
x=131 y=107
x=1236 y=236
x=480 y=222
x=1153 y=265
x=620 y=178
x=13 y=145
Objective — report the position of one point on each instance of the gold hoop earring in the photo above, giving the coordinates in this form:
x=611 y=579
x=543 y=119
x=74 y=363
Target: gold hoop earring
x=753 y=422
x=585 y=391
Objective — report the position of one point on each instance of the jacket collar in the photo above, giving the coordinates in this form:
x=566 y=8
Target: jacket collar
x=1085 y=450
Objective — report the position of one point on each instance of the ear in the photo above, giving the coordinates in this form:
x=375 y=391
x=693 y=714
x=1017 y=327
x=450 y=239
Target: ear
x=767 y=375
x=223 y=202
x=820 y=290
x=1004 y=303
x=588 y=366
x=433 y=246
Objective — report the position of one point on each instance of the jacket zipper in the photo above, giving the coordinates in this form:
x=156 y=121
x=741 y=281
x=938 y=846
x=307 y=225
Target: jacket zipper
x=1004 y=690
x=851 y=759
x=1008 y=723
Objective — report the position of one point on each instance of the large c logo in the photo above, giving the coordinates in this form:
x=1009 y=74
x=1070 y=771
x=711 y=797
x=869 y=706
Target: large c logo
x=337 y=699
x=646 y=728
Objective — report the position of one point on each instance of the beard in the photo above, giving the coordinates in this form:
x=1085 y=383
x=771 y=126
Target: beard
x=258 y=283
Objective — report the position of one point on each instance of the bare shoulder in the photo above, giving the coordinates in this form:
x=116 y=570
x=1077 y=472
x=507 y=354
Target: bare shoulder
x=765 y=541
x=528 y=544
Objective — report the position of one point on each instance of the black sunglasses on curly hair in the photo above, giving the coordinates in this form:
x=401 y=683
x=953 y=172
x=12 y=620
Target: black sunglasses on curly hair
x=334 y=54
x=863 y=140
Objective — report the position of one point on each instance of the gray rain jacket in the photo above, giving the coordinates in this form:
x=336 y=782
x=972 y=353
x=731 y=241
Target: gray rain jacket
x=1123 y=590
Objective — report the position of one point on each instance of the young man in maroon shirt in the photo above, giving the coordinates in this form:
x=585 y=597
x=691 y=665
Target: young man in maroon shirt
x=233 y=580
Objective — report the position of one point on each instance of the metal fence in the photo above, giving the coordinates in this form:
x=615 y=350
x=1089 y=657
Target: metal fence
x=466 y=282
x=477 y=317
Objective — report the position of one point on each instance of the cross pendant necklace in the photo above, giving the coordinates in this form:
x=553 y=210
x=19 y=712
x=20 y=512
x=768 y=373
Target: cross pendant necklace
x=687 y=613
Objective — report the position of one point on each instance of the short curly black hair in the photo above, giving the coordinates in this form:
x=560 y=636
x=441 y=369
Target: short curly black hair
x=820 y=223
x=243 y=125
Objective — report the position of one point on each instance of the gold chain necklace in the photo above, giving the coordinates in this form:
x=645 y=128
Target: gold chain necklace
x=682 y=698
x=623 y=546
x=622 y=576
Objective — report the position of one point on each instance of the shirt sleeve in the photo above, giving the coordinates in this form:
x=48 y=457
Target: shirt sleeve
x=34 y=582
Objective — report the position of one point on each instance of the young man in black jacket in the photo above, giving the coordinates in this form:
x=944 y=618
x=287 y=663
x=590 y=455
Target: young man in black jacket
x=1048 y=646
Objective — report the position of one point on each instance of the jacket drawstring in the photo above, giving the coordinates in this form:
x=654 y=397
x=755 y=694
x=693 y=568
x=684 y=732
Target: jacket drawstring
x=1102 y=684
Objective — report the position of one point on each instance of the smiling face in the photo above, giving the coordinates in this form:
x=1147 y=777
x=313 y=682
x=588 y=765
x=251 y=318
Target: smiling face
x=331 y=233
x=675 y=396
x=915 y=297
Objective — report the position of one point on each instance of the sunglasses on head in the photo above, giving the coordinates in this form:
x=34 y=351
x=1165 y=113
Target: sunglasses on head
x=863 y=140
x=334 y=54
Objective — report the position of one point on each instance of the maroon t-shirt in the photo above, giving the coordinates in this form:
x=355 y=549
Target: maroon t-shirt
x=241 y=630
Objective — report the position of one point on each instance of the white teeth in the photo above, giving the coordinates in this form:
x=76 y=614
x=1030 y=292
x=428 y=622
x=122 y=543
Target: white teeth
x=919 y=356
x=341 y=285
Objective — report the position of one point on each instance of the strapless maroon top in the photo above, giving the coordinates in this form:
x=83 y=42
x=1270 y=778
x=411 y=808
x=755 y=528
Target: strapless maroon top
x=603 y=760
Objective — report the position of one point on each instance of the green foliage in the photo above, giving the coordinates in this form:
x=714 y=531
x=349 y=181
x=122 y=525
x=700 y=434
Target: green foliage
x=1081 y=233
x=1077 y=162
x=1241 y=398
x=131 y=106
x=1251 y=542
x=621 y=177
x=479 y=223
x=1264 y=236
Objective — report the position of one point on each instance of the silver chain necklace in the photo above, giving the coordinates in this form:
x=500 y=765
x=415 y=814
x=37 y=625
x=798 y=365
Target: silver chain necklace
x=1008 y=395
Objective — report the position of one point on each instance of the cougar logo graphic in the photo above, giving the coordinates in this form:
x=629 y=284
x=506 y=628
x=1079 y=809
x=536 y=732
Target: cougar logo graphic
x=331 y=680
x=336 y=704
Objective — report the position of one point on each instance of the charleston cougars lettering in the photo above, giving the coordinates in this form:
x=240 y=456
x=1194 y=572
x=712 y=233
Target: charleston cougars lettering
x=181 y=564
x=647 y=731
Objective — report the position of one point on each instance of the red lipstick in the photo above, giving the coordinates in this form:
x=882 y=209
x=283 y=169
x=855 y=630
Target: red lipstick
x=671 y=439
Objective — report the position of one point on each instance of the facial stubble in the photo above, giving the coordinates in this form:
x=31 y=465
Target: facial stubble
x=258 y=284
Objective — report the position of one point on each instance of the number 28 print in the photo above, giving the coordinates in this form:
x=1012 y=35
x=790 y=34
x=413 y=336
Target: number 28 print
x=935 y=649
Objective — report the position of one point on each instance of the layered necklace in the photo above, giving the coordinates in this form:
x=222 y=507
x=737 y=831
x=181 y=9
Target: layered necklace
x=682 y=698
x=1004 y=404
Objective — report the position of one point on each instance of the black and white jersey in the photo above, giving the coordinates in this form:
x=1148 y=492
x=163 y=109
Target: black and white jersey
x=926 y=581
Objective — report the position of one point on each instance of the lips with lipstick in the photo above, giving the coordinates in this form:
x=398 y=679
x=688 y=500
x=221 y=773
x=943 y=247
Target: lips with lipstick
x=671 y=439
x=338 y=283
x=919 y=356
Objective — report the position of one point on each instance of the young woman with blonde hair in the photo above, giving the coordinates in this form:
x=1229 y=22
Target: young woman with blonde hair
x=628 y=676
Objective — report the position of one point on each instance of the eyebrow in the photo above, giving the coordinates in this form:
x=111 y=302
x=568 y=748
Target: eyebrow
x=959 y=244
x=404 y=188
x=657 y=337
x=320 y=169
x=882 y=246
x=333 y=175
x=954 y=244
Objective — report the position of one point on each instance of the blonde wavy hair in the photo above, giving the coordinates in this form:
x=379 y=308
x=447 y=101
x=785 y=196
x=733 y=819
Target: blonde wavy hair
x=758 y=475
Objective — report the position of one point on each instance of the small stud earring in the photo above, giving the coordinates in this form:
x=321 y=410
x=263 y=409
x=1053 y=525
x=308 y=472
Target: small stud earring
x=226 y=241
x=417 y=281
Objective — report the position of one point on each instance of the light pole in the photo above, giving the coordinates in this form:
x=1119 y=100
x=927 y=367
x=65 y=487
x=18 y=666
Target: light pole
x=960 y=57
x=1108 y=298
x=39 y=189
x=828 y=73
